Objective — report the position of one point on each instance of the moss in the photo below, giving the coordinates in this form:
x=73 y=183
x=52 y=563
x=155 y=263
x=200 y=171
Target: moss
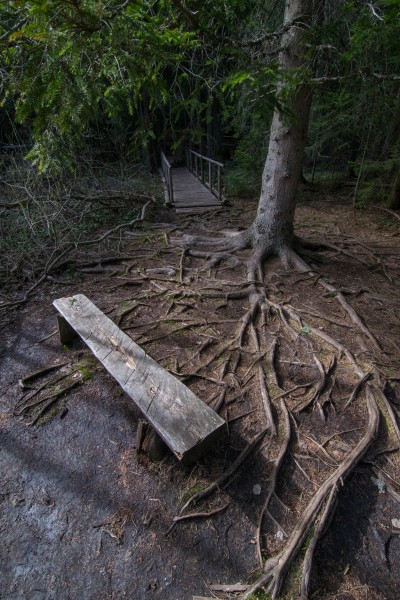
x=86 y=368
x=51 y=413
x=191 y=492
x=260 y=595
x=292 y=582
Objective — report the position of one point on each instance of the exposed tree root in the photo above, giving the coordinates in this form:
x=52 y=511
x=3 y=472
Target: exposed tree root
x=231 y=244
x=276 y=567
x=252 y=326
x=226 y=477
x=321 y=385
x=293 y=389
x=388 y=210
x=319 y=529
x=388 y=407
x=25 y=403
x=289 y=257
x=274 y=474
x=266 y=400
x=25 y=382
x=237 y=417
x=331 y=463
x=295 y=260
x=321 y=316
x=198 y=515
x=357 y=388
x=50 y=400
x=246 y=366
x=307 y=244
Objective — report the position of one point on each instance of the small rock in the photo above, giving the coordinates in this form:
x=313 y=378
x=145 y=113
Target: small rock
x=379 y=484
x=396 y=523
x=257 y=489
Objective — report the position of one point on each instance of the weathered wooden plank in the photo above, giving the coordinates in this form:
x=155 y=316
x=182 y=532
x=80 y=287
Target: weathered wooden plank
x=190 y=201
x=193 y=191
x=196 y=209
x=189 y=204
x=191 y=194
x=180 y=191
x=66 y=332
x=196 y=204
x=183 y=421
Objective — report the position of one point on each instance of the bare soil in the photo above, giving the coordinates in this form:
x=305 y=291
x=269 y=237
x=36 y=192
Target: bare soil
x=84 y=515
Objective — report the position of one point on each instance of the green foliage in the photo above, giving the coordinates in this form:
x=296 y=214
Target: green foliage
x=69 y=64
x=305 y=330
x=356 y=109
x=195 y=489
x=243 y=177
x=260 y=595
x=86 y=368
x=377 y=180
x=148 y=71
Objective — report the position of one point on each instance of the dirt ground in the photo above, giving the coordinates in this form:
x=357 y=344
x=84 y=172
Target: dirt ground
x=85 y=516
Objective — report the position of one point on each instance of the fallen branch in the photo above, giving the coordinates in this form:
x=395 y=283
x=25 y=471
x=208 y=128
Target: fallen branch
x=57 y=254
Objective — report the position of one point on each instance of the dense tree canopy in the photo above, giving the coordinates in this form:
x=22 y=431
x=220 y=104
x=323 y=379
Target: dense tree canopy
x=154 y=69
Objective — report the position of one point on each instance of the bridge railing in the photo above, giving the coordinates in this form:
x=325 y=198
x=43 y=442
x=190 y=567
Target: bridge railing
x=166 y=171
x=207 y=170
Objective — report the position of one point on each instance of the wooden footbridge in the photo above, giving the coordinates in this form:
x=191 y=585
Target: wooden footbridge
x=195 y=188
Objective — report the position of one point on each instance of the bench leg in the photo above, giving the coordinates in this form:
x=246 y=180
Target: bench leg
x=67 y=333
x=156 y=448
x=149 y=442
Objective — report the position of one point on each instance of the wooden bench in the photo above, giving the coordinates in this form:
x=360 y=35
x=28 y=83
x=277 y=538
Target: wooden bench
x=186 y=424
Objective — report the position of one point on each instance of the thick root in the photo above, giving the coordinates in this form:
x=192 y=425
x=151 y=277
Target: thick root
x=276 y=567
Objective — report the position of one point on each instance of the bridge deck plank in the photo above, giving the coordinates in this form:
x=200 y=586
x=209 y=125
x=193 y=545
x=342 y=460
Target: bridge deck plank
x=190 y=195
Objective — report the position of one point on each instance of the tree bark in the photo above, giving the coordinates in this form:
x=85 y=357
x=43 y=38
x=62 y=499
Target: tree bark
x=272 y=229
x=394 y=198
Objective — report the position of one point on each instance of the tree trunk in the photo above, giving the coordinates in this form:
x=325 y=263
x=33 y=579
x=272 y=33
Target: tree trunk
x=394 y=197
x=272 y=229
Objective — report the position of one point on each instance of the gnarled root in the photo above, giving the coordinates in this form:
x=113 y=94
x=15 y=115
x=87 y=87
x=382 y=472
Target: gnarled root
x=240 y=241
x=224 y=479
x=274 y=473
x=276 y=567
x=252 y=336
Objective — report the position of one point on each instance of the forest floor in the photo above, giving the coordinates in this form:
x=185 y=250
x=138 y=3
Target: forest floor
x=85 y=516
